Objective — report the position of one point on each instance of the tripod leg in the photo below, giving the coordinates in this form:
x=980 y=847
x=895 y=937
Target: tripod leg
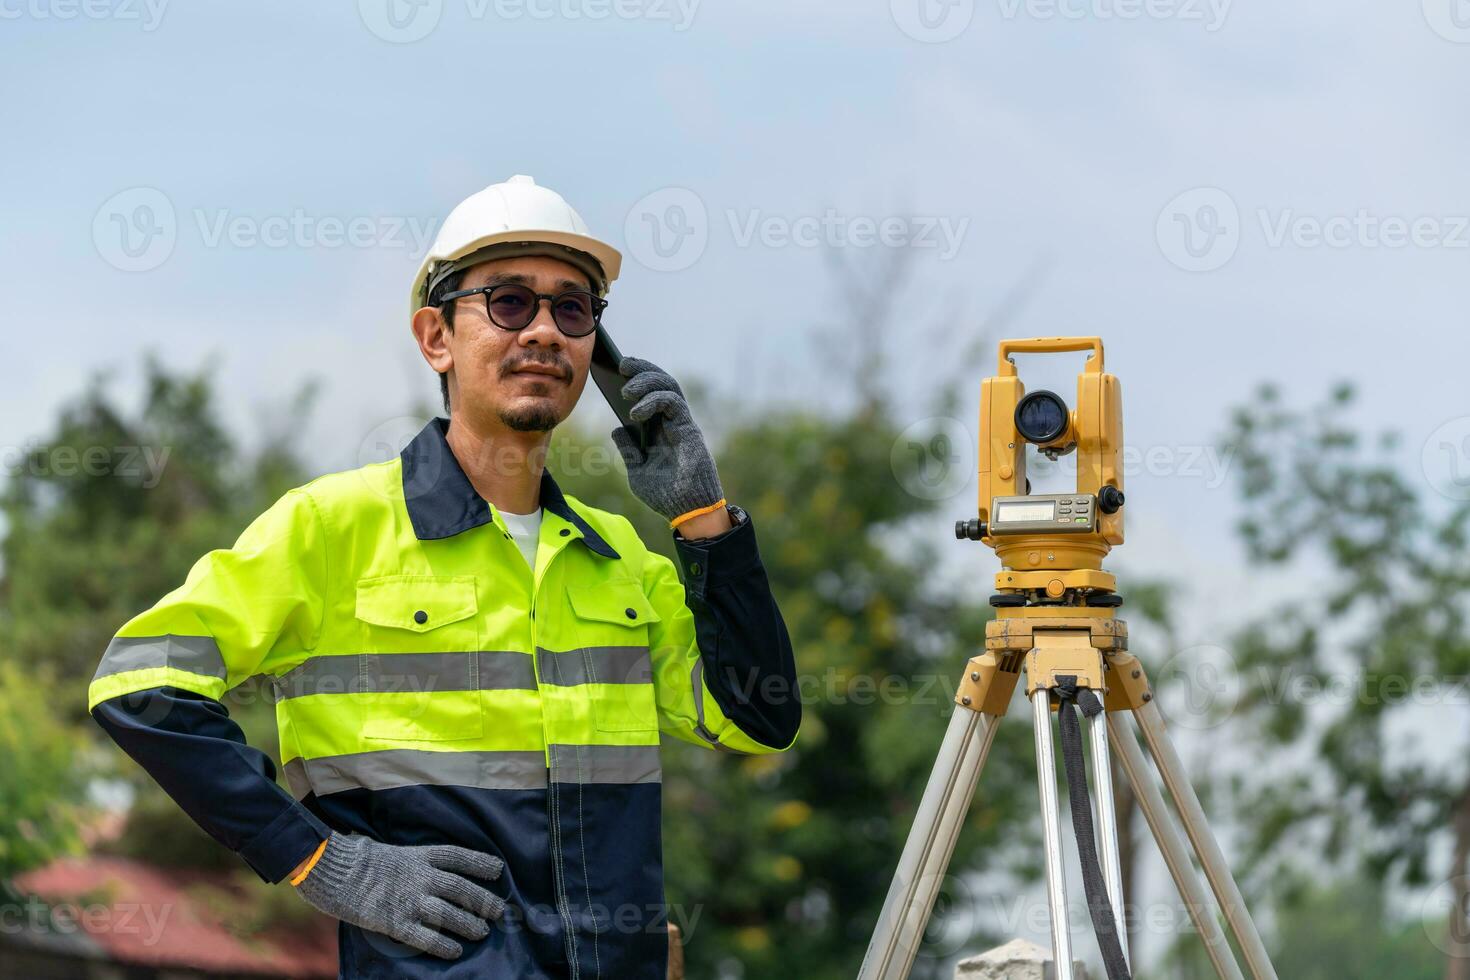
x=1107 y=823
x=1211 y=858
x=1056 y=882
x=930 y=845
x=1171 y=844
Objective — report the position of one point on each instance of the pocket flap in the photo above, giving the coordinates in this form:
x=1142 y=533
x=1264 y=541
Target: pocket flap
x=622 y=603
x=416 y=602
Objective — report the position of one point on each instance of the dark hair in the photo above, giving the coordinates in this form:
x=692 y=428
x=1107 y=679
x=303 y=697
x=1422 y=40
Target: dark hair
x=448 y=284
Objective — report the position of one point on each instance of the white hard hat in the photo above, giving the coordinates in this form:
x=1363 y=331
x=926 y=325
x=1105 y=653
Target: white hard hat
x=514 y=218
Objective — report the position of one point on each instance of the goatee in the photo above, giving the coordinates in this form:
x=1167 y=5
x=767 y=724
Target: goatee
x=535 y=419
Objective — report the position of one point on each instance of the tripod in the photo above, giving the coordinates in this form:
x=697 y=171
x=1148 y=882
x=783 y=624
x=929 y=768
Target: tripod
x=1064 y=649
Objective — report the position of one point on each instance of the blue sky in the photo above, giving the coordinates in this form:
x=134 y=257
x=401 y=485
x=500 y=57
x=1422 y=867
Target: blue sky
x=1068 y=144
x=1047 y=137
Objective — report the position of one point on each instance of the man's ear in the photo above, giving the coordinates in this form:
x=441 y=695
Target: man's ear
x=432 y=333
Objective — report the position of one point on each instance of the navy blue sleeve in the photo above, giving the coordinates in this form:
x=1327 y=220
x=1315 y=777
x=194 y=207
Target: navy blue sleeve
x=749 y=664
x=191 y=747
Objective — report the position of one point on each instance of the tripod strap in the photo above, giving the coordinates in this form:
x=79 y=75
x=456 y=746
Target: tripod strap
x=1098 y=906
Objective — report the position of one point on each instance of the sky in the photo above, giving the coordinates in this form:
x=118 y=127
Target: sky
x=1226 y=192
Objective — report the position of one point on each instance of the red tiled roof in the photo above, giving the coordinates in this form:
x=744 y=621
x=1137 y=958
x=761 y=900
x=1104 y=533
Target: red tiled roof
x=143 y=914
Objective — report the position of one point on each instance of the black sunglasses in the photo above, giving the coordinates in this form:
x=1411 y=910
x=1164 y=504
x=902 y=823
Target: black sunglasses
x=511 y=306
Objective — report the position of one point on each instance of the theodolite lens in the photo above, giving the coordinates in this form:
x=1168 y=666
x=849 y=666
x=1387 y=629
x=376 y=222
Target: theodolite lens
x=1041 y=417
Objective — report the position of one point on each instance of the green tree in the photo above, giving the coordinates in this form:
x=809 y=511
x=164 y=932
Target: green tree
x=43 y=780
x=1384 y=617
x=1338 y=929
x=108 y=513
x=102 y=517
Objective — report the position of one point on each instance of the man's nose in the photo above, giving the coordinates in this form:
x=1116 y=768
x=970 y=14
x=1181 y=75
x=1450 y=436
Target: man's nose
x=543 y=329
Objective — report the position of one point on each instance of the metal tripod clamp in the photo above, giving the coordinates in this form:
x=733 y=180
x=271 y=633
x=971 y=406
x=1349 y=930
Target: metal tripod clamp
x=1100 y=661
x=1067 y=654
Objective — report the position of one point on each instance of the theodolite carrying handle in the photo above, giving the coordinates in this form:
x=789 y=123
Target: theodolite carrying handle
x=1050 y=345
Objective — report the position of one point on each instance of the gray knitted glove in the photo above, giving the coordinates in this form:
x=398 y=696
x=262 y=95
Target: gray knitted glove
x=678 y=474
x=406 y=892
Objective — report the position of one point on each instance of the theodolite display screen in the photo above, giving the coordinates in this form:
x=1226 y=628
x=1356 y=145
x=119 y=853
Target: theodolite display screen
x=1053 y=513
x=1025 y=510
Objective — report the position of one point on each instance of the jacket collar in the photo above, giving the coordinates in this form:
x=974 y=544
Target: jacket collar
x=442 y=502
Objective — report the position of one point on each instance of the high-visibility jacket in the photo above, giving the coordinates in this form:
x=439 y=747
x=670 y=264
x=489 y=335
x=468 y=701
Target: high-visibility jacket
x=429 y=688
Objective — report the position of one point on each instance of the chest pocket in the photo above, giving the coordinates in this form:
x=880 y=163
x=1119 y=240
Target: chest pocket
x=419 y=669
x=612 y=625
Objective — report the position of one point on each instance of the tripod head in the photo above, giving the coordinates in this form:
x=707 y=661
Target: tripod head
x=1051 y=546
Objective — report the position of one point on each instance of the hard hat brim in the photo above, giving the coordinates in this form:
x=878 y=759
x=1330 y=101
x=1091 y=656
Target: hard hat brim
x=607 y=257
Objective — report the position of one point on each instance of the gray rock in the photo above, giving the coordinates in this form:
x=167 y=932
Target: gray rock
x=1016 y=960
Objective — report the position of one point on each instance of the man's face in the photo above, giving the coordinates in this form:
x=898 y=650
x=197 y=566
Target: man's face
x=528 y=379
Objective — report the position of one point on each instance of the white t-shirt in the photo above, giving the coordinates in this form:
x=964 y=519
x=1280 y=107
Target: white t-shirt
x=526 y=529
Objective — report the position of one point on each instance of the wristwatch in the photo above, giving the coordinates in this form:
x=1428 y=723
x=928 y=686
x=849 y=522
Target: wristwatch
x=737 y=518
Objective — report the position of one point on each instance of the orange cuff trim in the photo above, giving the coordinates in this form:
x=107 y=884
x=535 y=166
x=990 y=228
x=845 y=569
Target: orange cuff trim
x=695 y=513
x=315 y=857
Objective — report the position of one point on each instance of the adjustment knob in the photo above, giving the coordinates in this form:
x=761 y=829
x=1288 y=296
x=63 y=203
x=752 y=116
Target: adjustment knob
x=1109 y=499
x=971 y=530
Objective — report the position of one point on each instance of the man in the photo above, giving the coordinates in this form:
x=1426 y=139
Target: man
x=472 y=668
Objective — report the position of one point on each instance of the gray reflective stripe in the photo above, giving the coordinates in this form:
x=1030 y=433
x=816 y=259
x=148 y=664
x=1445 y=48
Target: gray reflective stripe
x=296 y=778
x=395 y=768
x=605 y=764
x=696 y=681
x=595 y=665
x=386 y=673
x=195 y=654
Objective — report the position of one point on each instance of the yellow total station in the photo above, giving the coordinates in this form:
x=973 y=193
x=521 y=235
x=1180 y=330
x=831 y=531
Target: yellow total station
x=1051 y=546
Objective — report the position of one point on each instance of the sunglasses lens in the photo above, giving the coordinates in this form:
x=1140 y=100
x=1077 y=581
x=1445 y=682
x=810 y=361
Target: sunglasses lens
x=512 y=306
x=575 y=314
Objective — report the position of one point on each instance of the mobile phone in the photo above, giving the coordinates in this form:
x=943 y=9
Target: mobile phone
x=605 y=359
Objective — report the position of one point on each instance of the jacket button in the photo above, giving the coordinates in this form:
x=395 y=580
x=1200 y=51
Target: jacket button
x=694 y=568
x=421 y=617
x=565 y=532
x=630 y=613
